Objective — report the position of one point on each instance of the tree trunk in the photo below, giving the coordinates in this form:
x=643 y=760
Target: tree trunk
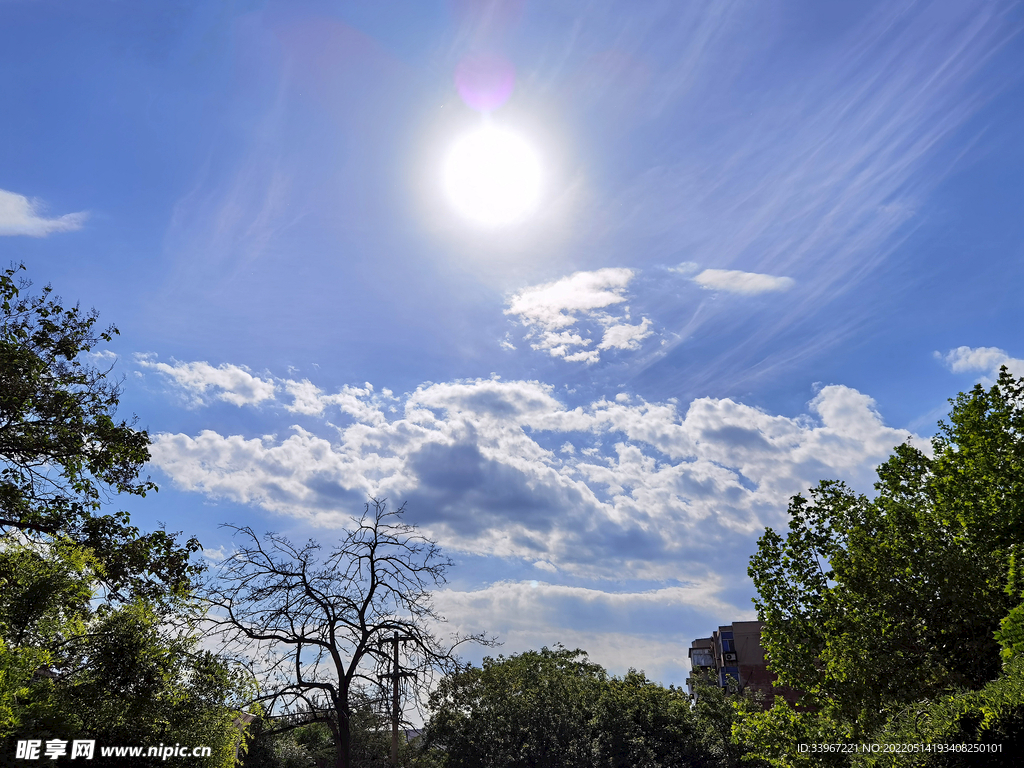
x=343 y=743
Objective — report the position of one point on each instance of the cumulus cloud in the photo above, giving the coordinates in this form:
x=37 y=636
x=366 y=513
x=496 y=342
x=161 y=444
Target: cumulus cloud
x=480 y=464
x=233 y=384
x=358 y=402
x=625 y=336
x=237 y=385
x=217 y=554
x=21 y=216
x=736 y=281
x=985 y=360
x=101 y=356
x=553 y=305
x=540 y=605
x=565 y=318
x=648 y=623
x=552 y=311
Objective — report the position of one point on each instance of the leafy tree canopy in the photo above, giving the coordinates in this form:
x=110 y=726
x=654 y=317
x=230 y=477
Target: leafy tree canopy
x=532 y=708
x=272 y=744
x=554 y=707
x=125 y=675
x=993 y=715
x=872 y=604
x=62 y=450
x=98 y=632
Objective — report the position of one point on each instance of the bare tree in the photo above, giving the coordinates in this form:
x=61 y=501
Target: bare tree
x=319 y=627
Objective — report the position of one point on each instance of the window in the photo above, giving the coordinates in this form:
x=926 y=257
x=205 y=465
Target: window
x=702 y=657
x=728 y=672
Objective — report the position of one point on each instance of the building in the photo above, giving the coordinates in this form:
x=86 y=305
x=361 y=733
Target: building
x=733 y=659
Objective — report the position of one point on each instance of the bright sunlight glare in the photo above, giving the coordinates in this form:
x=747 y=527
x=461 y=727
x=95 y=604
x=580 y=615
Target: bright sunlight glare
x=492 y=176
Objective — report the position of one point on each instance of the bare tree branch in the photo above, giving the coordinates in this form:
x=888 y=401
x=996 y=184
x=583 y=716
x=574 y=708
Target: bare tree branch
x=313 y=623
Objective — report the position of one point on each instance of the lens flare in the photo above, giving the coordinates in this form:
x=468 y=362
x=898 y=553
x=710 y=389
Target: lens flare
x=485 y=82
x=492 y=176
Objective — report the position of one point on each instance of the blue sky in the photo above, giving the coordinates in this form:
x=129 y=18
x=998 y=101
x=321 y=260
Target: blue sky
x=771 y=240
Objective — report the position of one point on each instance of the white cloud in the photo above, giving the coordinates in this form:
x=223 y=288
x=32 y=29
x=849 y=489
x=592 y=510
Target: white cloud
x=231 y=383
x=736 y=281
x=358 y=402
x=685 y=268
x=21 y=216
x=650 y=627
x=553 y=305
x=625 y=336
x=306 y=397
x=237 y=385
x=539 y=605
x=564 y=316
x=479 y=462
x=217 y=554
x=551 y=311
x=986 y=360
x=819 y=179
x=102 y=356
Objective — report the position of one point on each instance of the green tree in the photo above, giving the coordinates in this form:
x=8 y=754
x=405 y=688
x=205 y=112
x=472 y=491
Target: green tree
x=530 y=709
x=556 y=709
x=873 y=604
x=63 y=452
x=717 y=715
x=42 y=601
x=97 y=622
x=774 y=737
x=302 y=741
x=121 y=675
x=638 y=723
x=992 y=716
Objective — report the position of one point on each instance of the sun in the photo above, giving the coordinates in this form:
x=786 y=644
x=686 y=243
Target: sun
x=492 y=176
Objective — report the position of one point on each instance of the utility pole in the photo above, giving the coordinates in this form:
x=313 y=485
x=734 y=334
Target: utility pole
x=396 y=675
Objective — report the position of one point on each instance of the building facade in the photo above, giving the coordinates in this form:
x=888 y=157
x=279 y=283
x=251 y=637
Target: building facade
x=733 y=659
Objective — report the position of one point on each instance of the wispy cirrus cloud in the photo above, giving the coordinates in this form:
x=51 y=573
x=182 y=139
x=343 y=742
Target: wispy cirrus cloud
x=824 y=175
x=20 y=215
x=558 y=313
